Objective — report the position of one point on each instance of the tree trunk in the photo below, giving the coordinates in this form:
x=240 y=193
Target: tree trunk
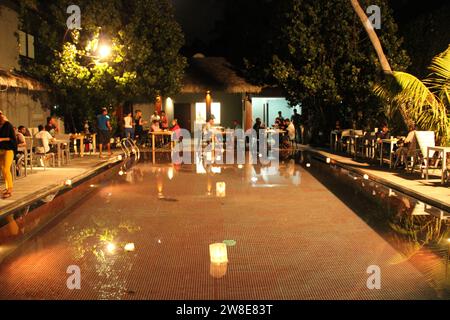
x=379 y=50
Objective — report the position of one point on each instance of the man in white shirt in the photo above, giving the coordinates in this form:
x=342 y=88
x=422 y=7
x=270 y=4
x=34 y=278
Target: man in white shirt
x=46 y=137
x=155 y=117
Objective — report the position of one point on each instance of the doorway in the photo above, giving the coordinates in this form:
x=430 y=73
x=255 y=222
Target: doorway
x=182 y=112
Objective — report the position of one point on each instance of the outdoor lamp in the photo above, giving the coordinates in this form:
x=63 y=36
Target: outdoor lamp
x=104 y=51
x=328 y=160
x=68 y=182
x=218 y=253
x=308 y=165
x=366 y=176
x=220 y=189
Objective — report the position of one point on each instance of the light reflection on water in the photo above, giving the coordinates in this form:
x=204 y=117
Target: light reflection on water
x=418 y=231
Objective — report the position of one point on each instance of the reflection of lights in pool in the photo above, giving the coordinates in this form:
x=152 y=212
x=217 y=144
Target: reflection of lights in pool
x=216 y=169
x=159 y=241
x=366 y=176
x=111 y=247
x=240 y=166
x=254 y=179
x=328 y=160
x=68 y=182
x=170 y=173
x=308 y=165
x=220 y=189
x=92 y=185
x=129 y=247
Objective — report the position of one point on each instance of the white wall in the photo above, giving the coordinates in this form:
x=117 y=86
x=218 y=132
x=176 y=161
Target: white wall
x=22 y=109
x=275 y=105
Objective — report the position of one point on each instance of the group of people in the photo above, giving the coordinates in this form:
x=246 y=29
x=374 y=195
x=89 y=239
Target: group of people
x=290 y=129
x=13 y=146
x=134 y=127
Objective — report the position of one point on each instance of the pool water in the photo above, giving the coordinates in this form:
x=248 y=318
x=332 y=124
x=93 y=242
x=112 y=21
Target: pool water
x=303 y=230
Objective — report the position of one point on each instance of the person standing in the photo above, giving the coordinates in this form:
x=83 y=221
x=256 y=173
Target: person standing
x=139 y=127
x=128 y=125
x=8 y=147
x=104 y=131
x=296 y=120
x=155 y=117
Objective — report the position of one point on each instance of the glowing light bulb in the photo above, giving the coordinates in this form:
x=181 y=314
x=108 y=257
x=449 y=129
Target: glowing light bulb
x=119 y=157
x=308 y=165
x=68 y=182
x=366 y=177
x=328 y=160
x=129 y=247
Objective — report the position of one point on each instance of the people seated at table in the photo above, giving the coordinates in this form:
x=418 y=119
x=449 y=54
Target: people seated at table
x=176 y=129
x=46 y=138
x=236 y=125
x=406 y=147
x=155 y=126
x=383 y=133
x=52 y=126
x=20 y=137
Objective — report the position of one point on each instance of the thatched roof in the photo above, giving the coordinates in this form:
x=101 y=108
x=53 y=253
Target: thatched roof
x=13 y=80
x=215 y=74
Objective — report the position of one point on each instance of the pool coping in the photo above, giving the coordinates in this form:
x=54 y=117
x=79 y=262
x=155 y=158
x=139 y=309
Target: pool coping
x=410 y=192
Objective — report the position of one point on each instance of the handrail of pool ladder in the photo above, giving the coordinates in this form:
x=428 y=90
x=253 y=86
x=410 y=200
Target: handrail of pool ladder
x=130 y=147
x=124 y=147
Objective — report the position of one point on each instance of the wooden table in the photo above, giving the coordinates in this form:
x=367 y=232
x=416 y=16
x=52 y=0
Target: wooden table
x=81 y=137
x=162 y=134
x=443 y=151
x=391 y=143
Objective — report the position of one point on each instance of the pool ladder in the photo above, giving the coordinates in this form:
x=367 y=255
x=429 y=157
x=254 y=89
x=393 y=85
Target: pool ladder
x=129 y=148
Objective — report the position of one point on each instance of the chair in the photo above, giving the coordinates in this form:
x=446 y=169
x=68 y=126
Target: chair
x=65 y=148
x=344 y=140
x=28 y=154
x=425 y=139
x=39 y=143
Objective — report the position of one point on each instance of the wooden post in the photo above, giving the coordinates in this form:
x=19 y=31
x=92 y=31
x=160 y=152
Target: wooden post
x=208 y=101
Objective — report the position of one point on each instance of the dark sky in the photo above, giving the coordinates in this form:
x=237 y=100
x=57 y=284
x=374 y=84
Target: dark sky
x=198 y=17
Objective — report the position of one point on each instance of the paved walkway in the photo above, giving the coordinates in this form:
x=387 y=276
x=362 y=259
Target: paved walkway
x=40 y=182
x=431 y=190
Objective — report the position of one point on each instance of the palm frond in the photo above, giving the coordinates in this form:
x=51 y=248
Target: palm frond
x=439 y=79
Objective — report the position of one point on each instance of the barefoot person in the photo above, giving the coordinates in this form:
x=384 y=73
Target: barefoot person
x=104 y=131
x=8 y=146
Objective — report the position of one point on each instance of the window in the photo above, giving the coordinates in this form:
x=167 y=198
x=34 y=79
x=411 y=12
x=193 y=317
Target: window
x=26 y=45
x=200 y=112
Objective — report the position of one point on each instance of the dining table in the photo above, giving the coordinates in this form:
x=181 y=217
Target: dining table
x=391 y=142
x=162 y=134
x=80 y=137
x=59 y=143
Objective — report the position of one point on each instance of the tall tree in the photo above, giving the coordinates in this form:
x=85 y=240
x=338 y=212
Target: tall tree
x=125 y=49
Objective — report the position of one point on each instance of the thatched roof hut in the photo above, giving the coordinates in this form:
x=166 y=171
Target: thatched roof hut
x=214 y=74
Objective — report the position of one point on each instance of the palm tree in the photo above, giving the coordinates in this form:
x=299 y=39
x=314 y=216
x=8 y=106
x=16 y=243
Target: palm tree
x=427 y=101
x=379 y=50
